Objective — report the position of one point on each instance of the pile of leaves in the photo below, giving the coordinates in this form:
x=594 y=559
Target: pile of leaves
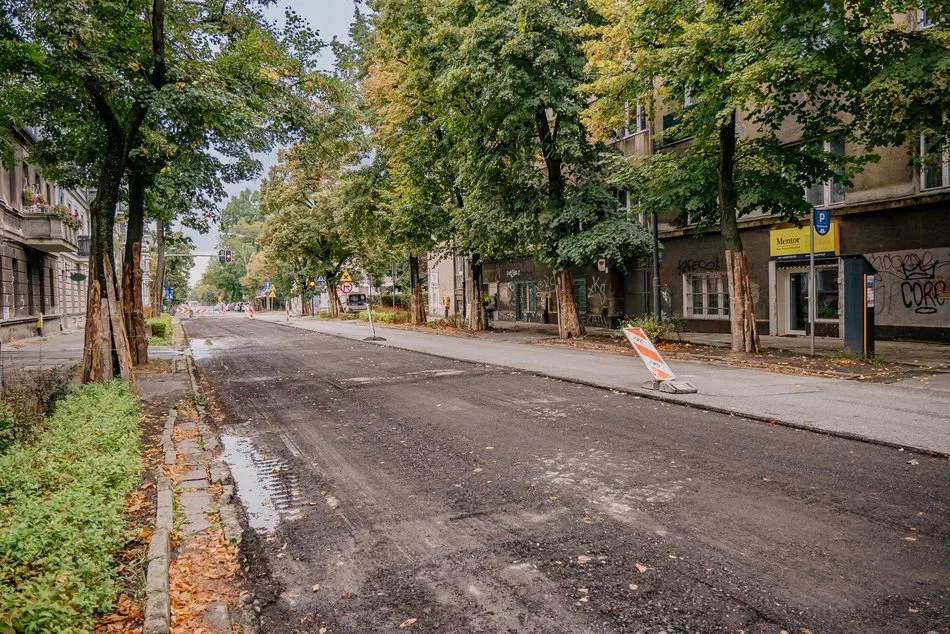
x=61 y=505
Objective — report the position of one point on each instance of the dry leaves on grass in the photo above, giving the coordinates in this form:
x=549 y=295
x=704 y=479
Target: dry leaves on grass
x=126 y=619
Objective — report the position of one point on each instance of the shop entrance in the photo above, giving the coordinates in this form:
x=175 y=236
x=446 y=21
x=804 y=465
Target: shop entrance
x=794 y=295
x=797 y=303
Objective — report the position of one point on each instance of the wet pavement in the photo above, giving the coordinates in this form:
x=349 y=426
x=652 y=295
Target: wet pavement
x=384 y=487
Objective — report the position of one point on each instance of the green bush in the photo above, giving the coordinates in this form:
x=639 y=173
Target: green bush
x=655 y=329
x=161 y=326
x=25 y=401
x=61 y=503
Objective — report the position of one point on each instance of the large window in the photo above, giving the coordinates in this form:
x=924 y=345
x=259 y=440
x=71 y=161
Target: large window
x=827 y=307
x=829 y=192
x=935 y=166
x=706 y=295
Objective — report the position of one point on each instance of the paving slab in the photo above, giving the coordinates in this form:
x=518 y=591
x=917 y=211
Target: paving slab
x=195 y=505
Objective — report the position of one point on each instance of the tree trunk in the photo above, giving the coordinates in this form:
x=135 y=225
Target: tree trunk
x=417 y=313
x=333 y=299
x=99 y=353
x=476 y=315
x=158 y=290
x=745 y=336
x=568 y=318
x=132 y=272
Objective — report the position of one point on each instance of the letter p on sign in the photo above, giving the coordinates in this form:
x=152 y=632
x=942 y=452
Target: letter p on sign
x=648 y=353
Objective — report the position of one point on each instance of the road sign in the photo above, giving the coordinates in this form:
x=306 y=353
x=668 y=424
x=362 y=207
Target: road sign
x=346 y=277
x=821 y=218
x=601 y=264
x=266 y=286
x=648 y=353
x=321 y=280
x=273 y=293
x=346 y=287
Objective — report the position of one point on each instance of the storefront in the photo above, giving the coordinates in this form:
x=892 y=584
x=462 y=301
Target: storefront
x=789 y=277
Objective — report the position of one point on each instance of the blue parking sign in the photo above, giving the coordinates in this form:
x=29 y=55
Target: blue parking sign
x=821 y=219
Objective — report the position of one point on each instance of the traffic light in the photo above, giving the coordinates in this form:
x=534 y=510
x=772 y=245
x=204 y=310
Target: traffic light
x=221 y=256
x=228 y=256
x=312 y=283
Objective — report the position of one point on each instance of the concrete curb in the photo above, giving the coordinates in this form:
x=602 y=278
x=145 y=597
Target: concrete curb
x=650 y=394
x=157 y=599
x=158 y=602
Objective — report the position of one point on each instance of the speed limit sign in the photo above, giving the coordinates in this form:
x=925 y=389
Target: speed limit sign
x=346 y=287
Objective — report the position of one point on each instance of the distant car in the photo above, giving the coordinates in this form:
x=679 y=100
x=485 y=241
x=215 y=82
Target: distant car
x=355 y=303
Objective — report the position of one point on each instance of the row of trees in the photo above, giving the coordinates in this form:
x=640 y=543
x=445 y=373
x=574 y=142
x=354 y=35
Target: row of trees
x=157 y=103
x=481 y=127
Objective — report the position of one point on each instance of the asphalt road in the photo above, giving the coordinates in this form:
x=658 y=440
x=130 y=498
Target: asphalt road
x=478 y=499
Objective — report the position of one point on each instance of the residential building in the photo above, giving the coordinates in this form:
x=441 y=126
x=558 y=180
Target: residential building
x=895 y=214
x=40 y=271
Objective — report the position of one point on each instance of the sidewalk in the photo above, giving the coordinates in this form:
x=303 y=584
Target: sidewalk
x=913 y=414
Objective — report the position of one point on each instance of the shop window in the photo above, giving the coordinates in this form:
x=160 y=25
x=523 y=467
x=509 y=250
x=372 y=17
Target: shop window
x=706 y=295
x=830 y=192
x=827 y=297
x=935 y=165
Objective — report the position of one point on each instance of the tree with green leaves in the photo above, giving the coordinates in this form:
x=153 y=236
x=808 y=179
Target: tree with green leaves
x=533 y=181
x=750 y=70
x=108 y=73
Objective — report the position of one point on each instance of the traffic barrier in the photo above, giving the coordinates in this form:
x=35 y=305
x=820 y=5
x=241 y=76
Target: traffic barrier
x=250 y=311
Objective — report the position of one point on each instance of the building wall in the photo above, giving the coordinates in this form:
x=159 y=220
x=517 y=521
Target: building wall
x=524 y=290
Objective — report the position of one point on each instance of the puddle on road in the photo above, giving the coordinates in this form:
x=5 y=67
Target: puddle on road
x=203 y=347
x=265 y=486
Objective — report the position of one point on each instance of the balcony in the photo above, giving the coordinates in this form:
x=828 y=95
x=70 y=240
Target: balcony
x=47 y=230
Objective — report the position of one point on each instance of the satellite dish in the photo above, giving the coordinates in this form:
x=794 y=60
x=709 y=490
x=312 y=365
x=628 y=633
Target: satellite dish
x=77 y=276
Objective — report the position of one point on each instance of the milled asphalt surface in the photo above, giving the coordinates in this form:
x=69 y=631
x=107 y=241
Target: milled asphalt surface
x=385 y=487
x=914 y=415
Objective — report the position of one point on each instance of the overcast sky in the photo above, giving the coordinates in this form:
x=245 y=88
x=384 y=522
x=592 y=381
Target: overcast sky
x=329 y=17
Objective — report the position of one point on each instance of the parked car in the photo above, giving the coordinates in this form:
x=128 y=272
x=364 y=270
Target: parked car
x=355 y=303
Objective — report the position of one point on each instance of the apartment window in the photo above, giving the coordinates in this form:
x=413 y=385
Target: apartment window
x=935 y=167
x=830 y=192
x=925 y=21
x=688 y=97
x=16 y=284
x=706 y=295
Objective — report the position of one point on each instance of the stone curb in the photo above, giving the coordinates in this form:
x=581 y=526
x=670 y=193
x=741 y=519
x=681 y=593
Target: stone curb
x=157 y=600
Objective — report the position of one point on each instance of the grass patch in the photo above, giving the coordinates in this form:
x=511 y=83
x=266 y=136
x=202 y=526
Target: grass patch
x=61 y=504
x=161 y=327
x=160 y=341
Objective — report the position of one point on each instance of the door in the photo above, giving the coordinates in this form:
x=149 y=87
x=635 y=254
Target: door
x=580 y=294
x=798 y=303
x=519 y=301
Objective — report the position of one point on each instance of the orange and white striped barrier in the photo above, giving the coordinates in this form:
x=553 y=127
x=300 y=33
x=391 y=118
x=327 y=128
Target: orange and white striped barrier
x=250 y=311
x=663 y=378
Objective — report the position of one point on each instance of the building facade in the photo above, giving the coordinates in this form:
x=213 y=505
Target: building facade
x=39 y=227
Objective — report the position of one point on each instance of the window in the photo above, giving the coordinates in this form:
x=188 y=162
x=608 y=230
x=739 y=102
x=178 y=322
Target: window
x=52 y=290
x=634 y=120
x=829 y=192
x=935 y=167
x=688 y=97
x=826 y=281
x=925 y=21
x=706 y=295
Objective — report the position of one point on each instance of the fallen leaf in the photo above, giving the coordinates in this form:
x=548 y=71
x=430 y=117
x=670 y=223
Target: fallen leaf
x=910 y=538
x=323 y=630
x=913 y=461
x=583 y=559
x=316 y=587
x=913 y=610
x=634 y=586
x=407 y=623
x=640 y=567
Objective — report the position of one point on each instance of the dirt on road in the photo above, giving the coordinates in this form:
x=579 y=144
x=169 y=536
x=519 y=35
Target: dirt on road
x=390 y=491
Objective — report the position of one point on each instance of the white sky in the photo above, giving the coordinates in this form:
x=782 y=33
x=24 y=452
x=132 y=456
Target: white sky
x=329 y=17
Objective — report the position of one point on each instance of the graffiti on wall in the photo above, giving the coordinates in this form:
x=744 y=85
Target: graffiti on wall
x=698 y=266
x=913 y=287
